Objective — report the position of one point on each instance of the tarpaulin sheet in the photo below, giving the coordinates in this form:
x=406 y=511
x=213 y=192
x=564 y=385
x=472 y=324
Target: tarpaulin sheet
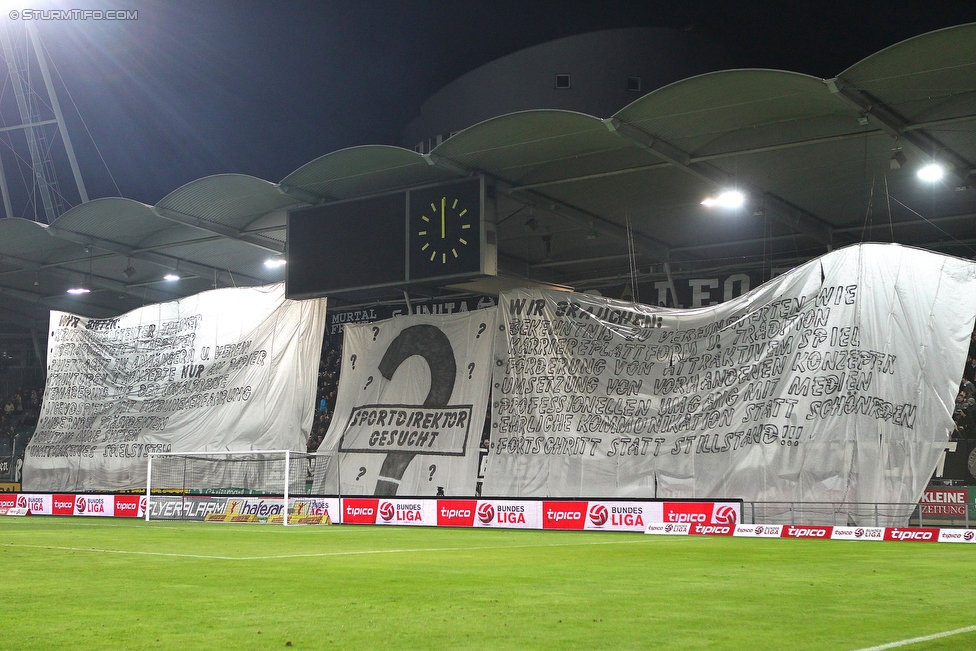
x=229 y=369
x=833 y=382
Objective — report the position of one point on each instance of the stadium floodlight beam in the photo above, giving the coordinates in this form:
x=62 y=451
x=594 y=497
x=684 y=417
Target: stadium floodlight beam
x=729 y=199
x=79 y=290
x=171 y=277
x=931 y=173
x=275 y=263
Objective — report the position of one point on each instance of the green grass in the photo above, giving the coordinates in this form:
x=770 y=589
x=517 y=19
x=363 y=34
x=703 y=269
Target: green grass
x=227 y=586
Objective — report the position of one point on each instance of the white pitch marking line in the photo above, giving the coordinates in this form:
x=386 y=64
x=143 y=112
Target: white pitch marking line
x=916 y=640
x=322 y=554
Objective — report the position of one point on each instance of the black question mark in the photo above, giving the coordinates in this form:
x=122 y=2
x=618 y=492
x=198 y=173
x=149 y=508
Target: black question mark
x=433 y=345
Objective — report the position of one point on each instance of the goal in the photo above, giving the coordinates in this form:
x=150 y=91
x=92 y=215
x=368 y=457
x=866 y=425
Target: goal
x=272 y=486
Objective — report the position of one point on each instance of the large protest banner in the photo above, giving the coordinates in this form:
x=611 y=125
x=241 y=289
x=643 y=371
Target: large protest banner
x=834 y=382
x=412 y=404
x=229 y=369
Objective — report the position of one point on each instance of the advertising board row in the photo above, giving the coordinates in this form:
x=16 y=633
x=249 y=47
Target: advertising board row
x=652 y=517
x=119 y=506
x=609 y=515
x=875 y=534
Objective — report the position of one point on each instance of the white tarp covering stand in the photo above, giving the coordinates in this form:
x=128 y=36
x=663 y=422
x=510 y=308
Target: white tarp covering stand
x=411 y=405
x=229 y=369
x=834 y=382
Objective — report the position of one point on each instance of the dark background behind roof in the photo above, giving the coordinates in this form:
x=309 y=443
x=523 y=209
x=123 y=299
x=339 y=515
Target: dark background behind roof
x=192 y=89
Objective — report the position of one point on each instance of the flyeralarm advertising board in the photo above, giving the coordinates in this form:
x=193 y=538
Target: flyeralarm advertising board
x=175 y=507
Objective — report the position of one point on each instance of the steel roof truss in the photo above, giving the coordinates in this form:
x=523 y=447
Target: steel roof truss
x=794 y=216
x=166 y=261
x=220 y=229
x=898 y=126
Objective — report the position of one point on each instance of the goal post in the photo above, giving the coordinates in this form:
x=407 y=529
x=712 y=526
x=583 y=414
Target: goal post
x=241 y=486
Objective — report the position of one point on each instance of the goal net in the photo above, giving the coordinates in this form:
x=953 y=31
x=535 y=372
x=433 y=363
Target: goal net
x=273 y=486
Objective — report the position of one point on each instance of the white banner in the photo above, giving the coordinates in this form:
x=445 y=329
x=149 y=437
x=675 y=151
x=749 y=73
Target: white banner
x=834 y=382
x=229 y=369
x=411 y=404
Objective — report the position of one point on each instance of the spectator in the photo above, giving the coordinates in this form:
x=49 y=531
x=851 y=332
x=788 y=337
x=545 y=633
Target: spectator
x=325 y=397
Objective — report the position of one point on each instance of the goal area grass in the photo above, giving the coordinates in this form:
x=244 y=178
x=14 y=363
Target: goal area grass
x=113 y=583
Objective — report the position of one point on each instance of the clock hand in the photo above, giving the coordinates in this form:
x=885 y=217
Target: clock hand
x=443 y=218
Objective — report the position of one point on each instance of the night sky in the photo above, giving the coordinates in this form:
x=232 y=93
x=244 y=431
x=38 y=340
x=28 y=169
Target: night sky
x=198 y=88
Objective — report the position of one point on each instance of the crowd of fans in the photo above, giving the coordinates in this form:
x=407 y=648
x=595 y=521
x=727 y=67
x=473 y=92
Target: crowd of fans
x=964 y=413
x=18 y=417
x=325 y=395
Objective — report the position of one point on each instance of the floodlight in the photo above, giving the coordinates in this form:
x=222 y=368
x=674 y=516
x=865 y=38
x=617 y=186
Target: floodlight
x=931 y=173
x=274 y=263
x=729 y=199
x=79 y=290
x=171 y=277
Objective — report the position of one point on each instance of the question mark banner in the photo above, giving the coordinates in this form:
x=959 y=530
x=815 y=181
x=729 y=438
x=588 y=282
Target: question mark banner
x=414 y=391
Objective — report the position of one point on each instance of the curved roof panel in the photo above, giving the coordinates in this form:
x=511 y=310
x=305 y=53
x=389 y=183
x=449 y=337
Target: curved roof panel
x=122 y=220
x=232 y=200
x=356 y=171
x=538 y=146
x=925 y=74
x=733 y=110
x=23 y=239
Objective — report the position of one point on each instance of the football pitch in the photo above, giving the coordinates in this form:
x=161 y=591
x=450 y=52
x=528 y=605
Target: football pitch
x=113 y=583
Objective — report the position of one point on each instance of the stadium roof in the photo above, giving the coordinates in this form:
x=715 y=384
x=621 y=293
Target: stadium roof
x=822 y=163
